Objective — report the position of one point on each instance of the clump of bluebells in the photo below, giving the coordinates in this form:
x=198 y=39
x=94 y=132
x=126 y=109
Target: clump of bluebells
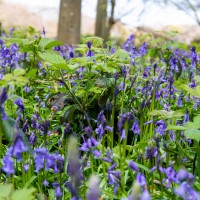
x=87 y=122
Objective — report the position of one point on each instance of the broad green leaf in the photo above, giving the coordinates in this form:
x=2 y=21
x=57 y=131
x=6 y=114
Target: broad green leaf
x=197 y=79
x=122 y=54
x=47 y=43
x=189 y=90
x=82 y=61
x=5 y=191
x=8 y=77
x=20 y=80
x=8 y=128
x=195 y=124
x=167 y=114
x=54 y=59
x=24 y=193
x=96 y=90
x=18 y=41
x=173 y=127
x=193 y=134
x=96 y=41
x=31 y=73
x=19 y=72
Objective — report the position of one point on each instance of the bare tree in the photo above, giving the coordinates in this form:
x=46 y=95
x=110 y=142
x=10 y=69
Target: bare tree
x=69 y=25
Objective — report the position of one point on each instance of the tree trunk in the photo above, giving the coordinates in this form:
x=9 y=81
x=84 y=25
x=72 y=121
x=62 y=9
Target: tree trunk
x=101 y=20
x=69 y=25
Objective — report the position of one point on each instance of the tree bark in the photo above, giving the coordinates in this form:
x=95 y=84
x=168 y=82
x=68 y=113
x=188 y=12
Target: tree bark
x=101 y=19
x=69 y=25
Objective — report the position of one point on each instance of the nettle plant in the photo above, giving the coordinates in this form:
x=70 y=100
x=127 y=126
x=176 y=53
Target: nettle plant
x=88 y=122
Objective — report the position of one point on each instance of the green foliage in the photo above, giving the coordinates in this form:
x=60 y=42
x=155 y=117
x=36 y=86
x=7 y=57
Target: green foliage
x=191 y=129
x=7 y=192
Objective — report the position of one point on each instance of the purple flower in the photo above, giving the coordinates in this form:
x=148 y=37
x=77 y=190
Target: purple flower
x=58 y=192
x=124 y=71
x=3 y=96
x=20 y=105
x=93 y=191
x=133 y=166
x=161 y=127
x=186 y=117
x=186 y=192
x=45 y=183
x=145 y=195
x=26 y=167
x=40 y=155
x=141 y=180
x=90 y=53
x=89 y=44
x=135 y=128
x=71 y=52
x=143 y=49
x=18 y=147
x=8 y=164
x=96 y=153
x=26 y=89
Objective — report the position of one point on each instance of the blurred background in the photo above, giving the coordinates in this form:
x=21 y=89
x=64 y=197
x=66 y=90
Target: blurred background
x=67 y=20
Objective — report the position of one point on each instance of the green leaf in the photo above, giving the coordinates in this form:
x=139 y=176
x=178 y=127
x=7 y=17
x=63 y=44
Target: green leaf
x=30 y=181
x=193 y=134
x=24 y=193
x=31 y=73
x=8 y=128
x=197 y=79
x=122 y=54
x=8 y=77
x=173 y=127
x=5 y=191
x=47 y=43
x=19 y=72
x=54 y=59
x=167 y=114
x=20 y=80
x=189 y=90
x=96 y=41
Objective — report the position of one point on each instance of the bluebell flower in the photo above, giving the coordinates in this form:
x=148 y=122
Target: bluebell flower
x=58 y=192
x=133 y=166
x=45 y=183
x=20 y=105
x=141 y=180
x=145 y=195
x=18 y=146
x=93 y=191
x=161 y=127
x=8 y=163
x=27 y=89
x=97 y=153
x=3 y=98
x=135 y=128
